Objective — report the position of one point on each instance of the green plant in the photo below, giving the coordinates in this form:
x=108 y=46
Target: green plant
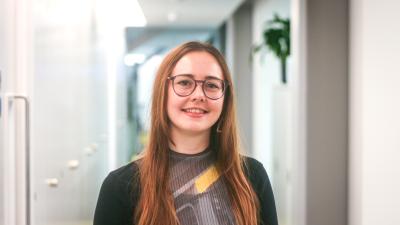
x=276 y=37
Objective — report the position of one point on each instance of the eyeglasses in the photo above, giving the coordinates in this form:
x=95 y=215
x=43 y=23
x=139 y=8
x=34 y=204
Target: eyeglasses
x=184 y=85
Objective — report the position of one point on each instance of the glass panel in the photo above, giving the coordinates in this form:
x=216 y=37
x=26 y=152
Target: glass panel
x=70 y=128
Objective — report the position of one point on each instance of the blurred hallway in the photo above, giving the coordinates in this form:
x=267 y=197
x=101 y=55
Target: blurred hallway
x=75 y=78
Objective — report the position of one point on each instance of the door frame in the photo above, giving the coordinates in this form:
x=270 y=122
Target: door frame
x=16 y=65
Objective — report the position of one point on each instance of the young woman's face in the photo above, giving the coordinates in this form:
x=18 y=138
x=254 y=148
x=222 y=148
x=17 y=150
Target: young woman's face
x=194 y=113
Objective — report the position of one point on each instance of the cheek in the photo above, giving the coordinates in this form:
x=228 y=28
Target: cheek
x=169 y=102
x=218 y=106
x=173 y=102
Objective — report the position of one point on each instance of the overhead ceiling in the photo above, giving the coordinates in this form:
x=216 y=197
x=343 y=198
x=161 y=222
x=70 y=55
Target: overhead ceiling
x=194 y=20
x=155 y=40
x=193 y=13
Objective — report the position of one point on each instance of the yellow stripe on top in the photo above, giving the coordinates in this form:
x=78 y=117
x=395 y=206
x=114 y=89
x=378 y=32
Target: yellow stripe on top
x=206 y=179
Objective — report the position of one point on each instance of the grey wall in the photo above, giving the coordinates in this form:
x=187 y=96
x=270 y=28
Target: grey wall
x=241 y=42
x=326 y=112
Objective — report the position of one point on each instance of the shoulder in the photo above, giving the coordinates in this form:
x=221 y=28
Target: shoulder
x=251 y=162
x=125 y=177
x=255 y=172
x=252 y=166
x=122 y=180
x=117 y=196
x=125 y=173
x=258 y=177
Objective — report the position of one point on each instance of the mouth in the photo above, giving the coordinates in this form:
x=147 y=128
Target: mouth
x=195 y=111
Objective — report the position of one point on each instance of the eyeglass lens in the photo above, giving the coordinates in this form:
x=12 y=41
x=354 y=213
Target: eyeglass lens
x=184 y=85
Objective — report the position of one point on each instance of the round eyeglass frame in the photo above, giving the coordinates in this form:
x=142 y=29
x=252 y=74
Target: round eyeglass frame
x=225 y=83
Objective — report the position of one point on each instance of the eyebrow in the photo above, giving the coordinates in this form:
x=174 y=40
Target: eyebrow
x=191 y=75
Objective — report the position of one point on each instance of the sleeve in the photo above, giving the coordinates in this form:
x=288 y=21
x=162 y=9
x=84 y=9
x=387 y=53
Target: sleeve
x=268 y=213
x=113 y=203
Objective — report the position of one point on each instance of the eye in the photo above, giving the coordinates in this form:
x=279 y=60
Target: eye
x=184 y=82
x=213 y=85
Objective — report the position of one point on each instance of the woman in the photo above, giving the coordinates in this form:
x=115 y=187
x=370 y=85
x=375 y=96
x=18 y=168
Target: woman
x=191 y=172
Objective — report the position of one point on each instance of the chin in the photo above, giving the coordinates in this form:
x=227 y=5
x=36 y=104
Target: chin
x=199 y=130
x=191 y=129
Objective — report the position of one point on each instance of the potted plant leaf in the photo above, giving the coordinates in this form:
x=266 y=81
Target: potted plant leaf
x=276 y=37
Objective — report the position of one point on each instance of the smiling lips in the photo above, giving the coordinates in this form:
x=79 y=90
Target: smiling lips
x=195 y=112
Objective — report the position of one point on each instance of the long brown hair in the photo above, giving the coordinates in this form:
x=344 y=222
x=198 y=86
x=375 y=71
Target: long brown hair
x=156 y=204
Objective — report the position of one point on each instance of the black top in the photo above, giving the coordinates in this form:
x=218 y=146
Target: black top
x=119 y=193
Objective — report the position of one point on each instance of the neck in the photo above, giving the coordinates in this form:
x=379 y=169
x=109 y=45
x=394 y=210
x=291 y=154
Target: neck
x=189 y=143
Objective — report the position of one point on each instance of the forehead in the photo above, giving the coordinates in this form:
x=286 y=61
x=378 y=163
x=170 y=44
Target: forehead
x=199 y=64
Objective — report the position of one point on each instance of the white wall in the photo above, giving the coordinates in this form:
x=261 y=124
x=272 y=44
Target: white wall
x=375 y=110
x=272 y=103
x=266 y=69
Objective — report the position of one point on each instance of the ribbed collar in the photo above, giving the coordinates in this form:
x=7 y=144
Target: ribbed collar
x=201 y=154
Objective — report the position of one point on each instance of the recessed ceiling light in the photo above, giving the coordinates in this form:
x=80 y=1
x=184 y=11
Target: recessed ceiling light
x=172 y=16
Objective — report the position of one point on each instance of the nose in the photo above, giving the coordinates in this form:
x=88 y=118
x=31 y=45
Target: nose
x=198 y=93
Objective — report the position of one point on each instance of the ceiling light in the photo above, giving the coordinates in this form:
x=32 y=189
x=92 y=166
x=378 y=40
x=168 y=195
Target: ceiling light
x=171 y=16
